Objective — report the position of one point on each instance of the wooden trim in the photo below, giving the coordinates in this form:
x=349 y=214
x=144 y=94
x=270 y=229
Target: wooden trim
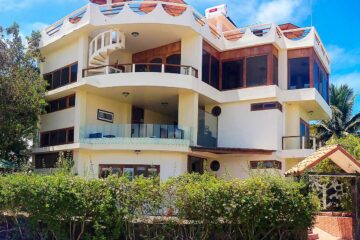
x=67 y=103
x=211 y=50
x=59 y=69
x=268 y=50
x=160 y=52
x=56 y=130
x=223 y=150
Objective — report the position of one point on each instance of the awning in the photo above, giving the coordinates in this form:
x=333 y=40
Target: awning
x=7 y=165
x=223 y=150
x=335 y=153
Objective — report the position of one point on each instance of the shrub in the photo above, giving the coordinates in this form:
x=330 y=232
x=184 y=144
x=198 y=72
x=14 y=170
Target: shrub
x=190 y=206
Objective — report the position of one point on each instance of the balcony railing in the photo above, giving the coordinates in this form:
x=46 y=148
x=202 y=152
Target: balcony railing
x=298 y=142
x=139 y=133
x=141 y=67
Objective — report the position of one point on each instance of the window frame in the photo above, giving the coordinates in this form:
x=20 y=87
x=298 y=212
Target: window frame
x=70 y=76
x=254 y=164
x=262 y=106
x=134 y=166
x=57 y=101
x=47 y=135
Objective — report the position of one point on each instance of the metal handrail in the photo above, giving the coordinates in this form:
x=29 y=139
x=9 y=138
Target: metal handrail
x=193 y=71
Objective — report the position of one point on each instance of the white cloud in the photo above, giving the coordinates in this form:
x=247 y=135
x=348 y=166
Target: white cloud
x=352 y=79
x=246 y=12
x=13 y=5
x=341 y=58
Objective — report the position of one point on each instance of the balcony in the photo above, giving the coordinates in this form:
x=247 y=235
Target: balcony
x=298 y=146
x=141 y=68
x=136 y=135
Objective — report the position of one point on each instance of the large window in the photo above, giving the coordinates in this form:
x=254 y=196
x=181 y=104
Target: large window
x=210 y=70
x=173 y=63
x=299 y=73
x=129 y=170
x=321 y=81
x=267 y=164
x=57 y=137
x=50 y=160
x=275 y=71
x=232 y=74
x=61 y=104
x=305 y=131
x=256 y=71
x=62 y=77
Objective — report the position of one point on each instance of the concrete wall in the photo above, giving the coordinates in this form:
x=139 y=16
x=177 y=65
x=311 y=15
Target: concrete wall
x=61 y=57
x=239 y=127
x=57 y=120
x=122 y=111
x=239 y=166
x=171 y=163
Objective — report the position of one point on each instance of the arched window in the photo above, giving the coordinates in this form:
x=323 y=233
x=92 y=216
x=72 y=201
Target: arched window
x=174 y=59
x=157 y=66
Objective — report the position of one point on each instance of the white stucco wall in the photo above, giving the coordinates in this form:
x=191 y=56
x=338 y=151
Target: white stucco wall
x=61 y=57
x=171 y=163
x=241 y=128
x=57 y=120
x=239 y=166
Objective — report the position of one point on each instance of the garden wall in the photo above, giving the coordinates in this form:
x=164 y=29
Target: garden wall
x=336 y=224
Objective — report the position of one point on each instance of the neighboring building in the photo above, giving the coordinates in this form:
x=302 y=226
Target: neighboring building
x=157 y=87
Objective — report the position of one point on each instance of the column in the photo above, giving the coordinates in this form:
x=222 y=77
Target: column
x=188 y=113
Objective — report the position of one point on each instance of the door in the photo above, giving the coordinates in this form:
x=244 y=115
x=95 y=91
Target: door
x=195 y=165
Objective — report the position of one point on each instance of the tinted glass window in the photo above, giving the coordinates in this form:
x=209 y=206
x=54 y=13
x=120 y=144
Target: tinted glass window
x=316 y=76
x=72 y=101
x=299 y=73
x=62 y=136
x=74 y=71
x=275 y=71
x=53 y=138
x=56 y=79
x=157 y=67
x=62 y=103
x=206 y=67
x=256 y=71
x=214 y=72
x=232 y=74
x=173 y=59
x=71 y=135
x=54 y=106
x=64 y=76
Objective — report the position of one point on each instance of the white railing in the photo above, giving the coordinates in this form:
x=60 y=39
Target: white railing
x=298 y=142
x=110 y=39
x=73 y=17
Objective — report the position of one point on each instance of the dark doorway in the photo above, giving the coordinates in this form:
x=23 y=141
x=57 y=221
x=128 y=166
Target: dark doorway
x=195 y=165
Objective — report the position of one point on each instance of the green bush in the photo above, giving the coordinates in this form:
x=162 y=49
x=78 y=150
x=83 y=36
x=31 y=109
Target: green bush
x=187 y=207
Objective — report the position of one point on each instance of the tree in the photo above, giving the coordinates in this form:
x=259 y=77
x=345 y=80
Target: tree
x=22 y=93
x=342 y=122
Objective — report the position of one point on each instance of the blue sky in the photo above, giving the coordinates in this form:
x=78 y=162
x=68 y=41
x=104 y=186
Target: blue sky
x=336 y=21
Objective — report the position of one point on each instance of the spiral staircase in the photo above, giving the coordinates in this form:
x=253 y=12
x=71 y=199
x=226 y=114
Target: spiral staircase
x=101 y=47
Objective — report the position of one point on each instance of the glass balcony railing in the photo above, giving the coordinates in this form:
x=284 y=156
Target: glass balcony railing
x=131 y=133
x=207 y=129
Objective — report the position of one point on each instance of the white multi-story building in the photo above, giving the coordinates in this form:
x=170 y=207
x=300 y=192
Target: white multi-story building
x=154 y=86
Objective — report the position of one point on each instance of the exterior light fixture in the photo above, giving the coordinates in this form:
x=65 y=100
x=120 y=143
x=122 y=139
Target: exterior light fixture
x=137 y=151
x=135 y=34
x=125 y=94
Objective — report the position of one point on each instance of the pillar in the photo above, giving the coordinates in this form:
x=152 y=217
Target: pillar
x=188 y=114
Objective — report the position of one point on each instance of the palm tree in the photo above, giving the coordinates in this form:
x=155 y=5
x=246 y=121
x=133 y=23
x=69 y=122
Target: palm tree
x=342 y=122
